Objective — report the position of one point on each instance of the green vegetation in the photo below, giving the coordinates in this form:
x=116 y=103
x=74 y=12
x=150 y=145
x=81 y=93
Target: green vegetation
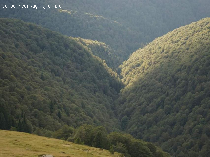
x=47 y=80
x=166 y=98
x=114 y=142
x=14 y=144
x=101 y=50
x=124 y=25
x=77 y=24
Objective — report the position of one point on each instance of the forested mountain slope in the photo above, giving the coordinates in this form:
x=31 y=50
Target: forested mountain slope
x=124 y=25
x=101 y=50
x=148 y=19
x=51 y=84
x=47 y=80
x=127 y=11
x=76 y=24
x=167 y=96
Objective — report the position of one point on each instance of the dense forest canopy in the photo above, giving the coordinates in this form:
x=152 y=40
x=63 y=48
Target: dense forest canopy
x=94 y=73
x=167 y=96
x=100 y=49
x=48 y=80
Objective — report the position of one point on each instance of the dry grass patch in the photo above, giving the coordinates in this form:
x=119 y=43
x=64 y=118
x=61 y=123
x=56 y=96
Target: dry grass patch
x=17 y=144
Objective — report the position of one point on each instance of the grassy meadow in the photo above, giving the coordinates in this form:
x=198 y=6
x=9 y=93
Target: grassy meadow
x=18 y=144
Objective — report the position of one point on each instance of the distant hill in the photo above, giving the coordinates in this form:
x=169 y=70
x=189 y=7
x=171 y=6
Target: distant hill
x=48 y=80
x=166 y=98
x=76 y=24
x=124 y=25
x=22 y=144
x=150 y=18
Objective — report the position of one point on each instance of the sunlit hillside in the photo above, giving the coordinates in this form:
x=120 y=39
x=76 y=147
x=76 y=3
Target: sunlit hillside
x=16 y=144
x=166 y=98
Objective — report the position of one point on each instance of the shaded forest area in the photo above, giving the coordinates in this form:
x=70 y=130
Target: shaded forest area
x=49 y=80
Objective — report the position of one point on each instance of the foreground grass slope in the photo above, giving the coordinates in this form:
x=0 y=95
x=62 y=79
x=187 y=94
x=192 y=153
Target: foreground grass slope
x=16 y=144
x=167 y=96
